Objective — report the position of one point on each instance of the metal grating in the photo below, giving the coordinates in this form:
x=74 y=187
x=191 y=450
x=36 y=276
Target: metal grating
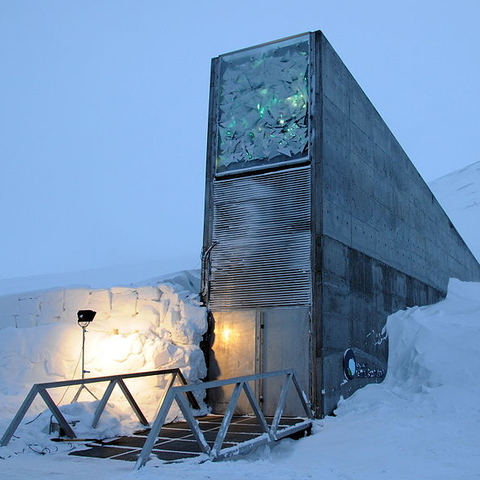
x=262 y=230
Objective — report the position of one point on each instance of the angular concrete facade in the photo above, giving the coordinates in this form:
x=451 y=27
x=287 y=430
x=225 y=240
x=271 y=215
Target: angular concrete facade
x=310 y=245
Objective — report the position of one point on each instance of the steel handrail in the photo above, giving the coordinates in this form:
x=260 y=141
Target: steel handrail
x=270 y=433
x=41 y=389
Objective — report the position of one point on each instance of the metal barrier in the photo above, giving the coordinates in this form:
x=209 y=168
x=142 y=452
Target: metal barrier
x=41 y=389
x=271 y=433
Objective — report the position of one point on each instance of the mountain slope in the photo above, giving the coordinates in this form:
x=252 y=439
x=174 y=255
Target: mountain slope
x=459 y=194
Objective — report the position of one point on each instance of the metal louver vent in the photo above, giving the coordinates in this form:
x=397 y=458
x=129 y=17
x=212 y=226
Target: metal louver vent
x=262 y=224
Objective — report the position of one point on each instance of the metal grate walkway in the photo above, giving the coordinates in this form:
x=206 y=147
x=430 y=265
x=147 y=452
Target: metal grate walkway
x=176 y=441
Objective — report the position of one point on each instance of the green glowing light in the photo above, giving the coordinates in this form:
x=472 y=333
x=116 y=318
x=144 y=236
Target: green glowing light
x=263 y=106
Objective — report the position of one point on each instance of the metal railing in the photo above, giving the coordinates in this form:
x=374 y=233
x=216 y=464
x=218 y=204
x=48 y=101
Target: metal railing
x=271 y=433
x=114 y=380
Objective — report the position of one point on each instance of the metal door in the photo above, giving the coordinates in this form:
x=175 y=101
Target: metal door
x=233 y=353
x=252 y=341
x=285 y=344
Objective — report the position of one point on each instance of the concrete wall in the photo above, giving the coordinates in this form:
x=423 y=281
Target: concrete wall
x=383 y=239
x=379 y=239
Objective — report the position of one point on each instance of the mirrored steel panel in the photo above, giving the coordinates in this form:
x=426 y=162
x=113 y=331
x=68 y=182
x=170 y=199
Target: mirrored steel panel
x=262 y=237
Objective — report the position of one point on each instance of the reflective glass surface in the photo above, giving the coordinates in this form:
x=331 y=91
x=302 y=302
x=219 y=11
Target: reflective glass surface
x=263 y=105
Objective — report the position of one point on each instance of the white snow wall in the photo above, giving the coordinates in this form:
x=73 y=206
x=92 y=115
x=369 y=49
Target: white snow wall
x=138 y=328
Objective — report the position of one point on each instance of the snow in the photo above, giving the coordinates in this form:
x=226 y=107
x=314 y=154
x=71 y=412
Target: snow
x=139 y=328
x=459 y=195
x=422 y=422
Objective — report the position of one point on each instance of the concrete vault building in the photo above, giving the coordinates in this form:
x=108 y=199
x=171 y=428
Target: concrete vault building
x=317 y=225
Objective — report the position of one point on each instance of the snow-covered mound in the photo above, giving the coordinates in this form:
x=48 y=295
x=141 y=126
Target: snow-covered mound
x=437 y=348
x=459 y=194
x=137 y=328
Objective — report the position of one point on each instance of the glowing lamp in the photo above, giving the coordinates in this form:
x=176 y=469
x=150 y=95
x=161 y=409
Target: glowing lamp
x=85 y=317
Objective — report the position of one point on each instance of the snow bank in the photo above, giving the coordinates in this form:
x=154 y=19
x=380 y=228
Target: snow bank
x=438 y=347
x=138 y=328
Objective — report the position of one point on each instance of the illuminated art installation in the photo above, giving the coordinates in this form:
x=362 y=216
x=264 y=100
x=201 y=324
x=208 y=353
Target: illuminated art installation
x=263 y=106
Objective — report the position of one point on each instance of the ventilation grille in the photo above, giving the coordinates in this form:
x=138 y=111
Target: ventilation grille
x=262 y=226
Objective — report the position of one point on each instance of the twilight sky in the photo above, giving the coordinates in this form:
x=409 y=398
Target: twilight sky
x=103 y=112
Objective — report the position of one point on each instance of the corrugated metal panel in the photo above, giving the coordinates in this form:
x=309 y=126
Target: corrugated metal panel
x=262 y=224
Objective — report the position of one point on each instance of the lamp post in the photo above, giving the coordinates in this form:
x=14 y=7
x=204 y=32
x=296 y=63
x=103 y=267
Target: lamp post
x=85 y=317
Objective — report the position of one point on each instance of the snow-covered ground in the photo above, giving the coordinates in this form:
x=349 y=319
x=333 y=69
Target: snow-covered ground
x=422 y=422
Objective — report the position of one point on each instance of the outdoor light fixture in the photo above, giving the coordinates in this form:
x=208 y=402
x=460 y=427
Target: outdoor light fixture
x=85 y=318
